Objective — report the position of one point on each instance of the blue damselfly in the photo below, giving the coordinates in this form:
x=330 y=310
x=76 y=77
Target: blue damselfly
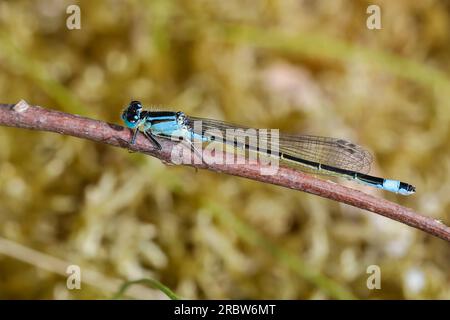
x=318 y=155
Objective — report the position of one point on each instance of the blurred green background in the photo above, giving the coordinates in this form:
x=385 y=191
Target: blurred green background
x=300 y=66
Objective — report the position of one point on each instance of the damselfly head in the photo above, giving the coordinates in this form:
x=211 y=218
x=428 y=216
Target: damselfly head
x=132 y=114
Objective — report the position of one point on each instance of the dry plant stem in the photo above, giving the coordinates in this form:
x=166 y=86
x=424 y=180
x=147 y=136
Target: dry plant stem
x=90 y=277
x=25 y=116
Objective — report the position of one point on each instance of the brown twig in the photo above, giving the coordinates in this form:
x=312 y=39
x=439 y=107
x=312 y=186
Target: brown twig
x=23 y=115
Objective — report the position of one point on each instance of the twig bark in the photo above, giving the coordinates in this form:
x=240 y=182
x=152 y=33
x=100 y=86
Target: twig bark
x=22 y=115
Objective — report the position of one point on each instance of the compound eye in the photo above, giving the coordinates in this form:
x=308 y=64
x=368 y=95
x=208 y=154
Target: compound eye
x=132 y=114
x=128 y=115
x=134 y=111
x=136 y=105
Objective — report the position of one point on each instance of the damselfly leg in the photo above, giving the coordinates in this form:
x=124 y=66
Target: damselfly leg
x=152 y=140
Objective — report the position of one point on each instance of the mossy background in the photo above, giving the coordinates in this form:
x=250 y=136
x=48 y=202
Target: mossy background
x=300 y=66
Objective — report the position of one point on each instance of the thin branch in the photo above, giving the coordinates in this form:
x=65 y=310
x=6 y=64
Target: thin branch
x=23 y=115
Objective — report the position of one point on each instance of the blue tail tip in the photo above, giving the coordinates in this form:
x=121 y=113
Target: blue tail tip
x=406 y=189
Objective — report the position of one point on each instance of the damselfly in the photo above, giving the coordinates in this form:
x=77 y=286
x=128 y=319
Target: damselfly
x=319 y=155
